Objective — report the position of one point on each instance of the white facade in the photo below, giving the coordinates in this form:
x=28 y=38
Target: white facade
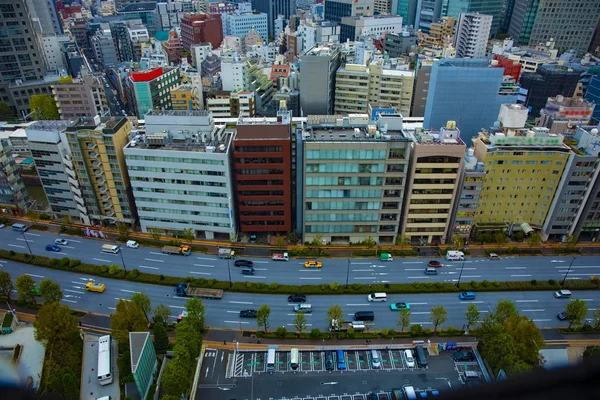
x=139 y=34
x=51 y=45
x=373 y=25
x=199 y=54
x=219 y=107
x=472 y=35
x=234 y=73
x=238 y=24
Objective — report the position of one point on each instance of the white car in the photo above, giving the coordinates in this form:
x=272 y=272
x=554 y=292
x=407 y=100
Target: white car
x=62 y=242
x=410 y=361
x=2 y=226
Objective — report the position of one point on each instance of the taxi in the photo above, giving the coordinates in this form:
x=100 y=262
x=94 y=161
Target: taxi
x=313 y=264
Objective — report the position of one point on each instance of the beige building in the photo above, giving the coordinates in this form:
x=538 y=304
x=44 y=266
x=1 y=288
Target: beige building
x=434 y=176
x=440 y=33
x=81 y=97
x=232 y=104
x=186 y=98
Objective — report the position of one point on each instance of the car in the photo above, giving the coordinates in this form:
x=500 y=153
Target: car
x=399 y=306
x=493 y=256
x=467 y=296
x=329 y=366
x=252 y=238
x=243 y=263
x=410 y=360
x=297 y=298
x=463 y=356
x=372 y=396
x=2 y=226
x=562 y=316
x=313 y=264
x=434 y=264
x=52 y=247
x=62 y=242
x=248 y=314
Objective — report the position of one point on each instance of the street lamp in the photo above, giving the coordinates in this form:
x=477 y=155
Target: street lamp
x=122 y=260
x=27 y=243
x=568 y=270
x=460 y=275
x=229 y=272
x=347 y=273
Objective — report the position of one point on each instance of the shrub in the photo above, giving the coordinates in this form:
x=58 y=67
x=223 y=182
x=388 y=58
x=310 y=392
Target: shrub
x=248 y=284
x=274 y=285
x=485 y=283
x=474 y=284
x=427 y=332
x=534 y=282
x=281 y=332
x=162 y=277
x=356 y=286
x=417 y=285
x=387 y=285
x=134 y=273
x=45 y=217
x=428 y=284
x=496 y=283
x=385 y=333
x=551 y=282
x=416 y=330
x=114 y=270
x=351 y=334
x=334 y=286
x=315 y=333
x=38 y=227
x=452 y=330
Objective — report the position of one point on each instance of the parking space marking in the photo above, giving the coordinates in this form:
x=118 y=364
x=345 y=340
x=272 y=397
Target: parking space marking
x=305 y=361
x=281 y=359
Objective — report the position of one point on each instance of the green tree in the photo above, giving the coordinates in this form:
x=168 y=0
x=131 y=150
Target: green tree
x=128 y=317
x=534 y=239
x=6 y=112
x=402 y=240
x=292 y=237
x=300 y=322
x=317 y=243
x=43 y=107
x=571 y=240
x=186 y=335
x=161 y=339
x=195 y=313
x=143 y=302
x=34 y=216
x=6 y=285
x=438 y=316
x=50 y=291
x=591 y=352
x=504 y=309
x=189 y=235
x=55 y=324
x=403 y=319
x=576 y=311
x=25 y=287
x=500 y=239
x=279 y=241
x=471 y=315
x=262 y=317
x=335 y=316
x=155 y=233
x=123 y=230
x=163 y=312
x=458 y=241
x=176 y=378
x=596 y=317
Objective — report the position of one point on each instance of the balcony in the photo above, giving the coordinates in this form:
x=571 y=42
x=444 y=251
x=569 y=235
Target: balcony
x=107 y=206
x=81 y=208
x=91 y=145
x=101 y=181
x=67 y=162
x=97 y=164
x=76 y=191
x=110 y=214
x=106 y=197
x=103 y=189
x=93 y=154
x=98 y=172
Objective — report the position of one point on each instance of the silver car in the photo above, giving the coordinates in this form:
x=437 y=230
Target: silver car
x=62 y=242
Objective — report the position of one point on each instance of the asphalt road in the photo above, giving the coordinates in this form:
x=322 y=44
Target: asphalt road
x=403 y=270
x=542 y=307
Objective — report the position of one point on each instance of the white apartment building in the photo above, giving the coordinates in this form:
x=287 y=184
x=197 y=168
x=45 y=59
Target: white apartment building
x=472 y=35
x=234 y=72
x=180 y=173
x=354 y=27
x=240 y=23
x=199 y=53
x=52 y=47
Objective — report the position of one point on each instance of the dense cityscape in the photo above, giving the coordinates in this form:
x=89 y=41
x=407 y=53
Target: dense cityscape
x=212 y=200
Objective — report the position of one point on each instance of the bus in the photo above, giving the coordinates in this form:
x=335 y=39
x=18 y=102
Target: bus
x=271 y=360
x=104 y=360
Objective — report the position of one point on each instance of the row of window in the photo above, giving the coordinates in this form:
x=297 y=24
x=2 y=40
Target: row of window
x=347 y=193
x=344 y=181
x=340 y=228
x=179 y=192
x=171 y=221
x=343 y=205
x=176 y=160
x=184 y=212
x=358 y=217
x=181 y=202
x=356 y=168
x=178 y=181
x=346 y=154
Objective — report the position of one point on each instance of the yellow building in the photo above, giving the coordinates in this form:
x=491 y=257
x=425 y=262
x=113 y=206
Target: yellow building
x=440 y=33
x=185 y=98
x=97 y=154
x=524 y=168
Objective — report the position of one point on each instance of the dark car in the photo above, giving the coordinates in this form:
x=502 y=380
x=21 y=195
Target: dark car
x=434 y=264
x=562 y=316
x=372 y=396
x=248 y=314
x=52 y=247
x=297 y=298
x=243 y=263
x=329 y=366
x=463 y=356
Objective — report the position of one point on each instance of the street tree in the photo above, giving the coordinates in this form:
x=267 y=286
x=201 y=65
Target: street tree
x=6 y=112
x=189 y=235
x=279 y=241
x=143 y=302
x=155 y=233
x=34 y=216
x=576 y=311
x=458 y=241
x=335 y=316
x=471 y=316
x=504 y=309
x=43 y=107
x=317 y=243
x=591 y=352
x=50 y=291
x=571 y=240
x=6 y=285
x=596 y=317
x=55 y=324
x=401 y=241
x=123 y=230
x=163 y=312
x=175 y=381
x=403 y=319
x=438 y=316
x=534 y=239
x=500 y=239
x=195 y=313
x=161 y=339
x=262 y=317
x=25 y=287
x=300 y=322
x=128 y=317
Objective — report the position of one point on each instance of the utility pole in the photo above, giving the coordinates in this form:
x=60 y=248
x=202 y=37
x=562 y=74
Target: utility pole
x=122 y=260
x=347 y=273
x=568 y=270
x=229 y=272
x=27 y=243
x=460 y=275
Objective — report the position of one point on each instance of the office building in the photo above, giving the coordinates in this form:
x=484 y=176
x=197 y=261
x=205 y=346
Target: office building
x=123 y=42
x=53 y=55
x=103 y=47
x=199 y=53
x=53 y=162
x=96 y=146
x=19 y=92
x=407 y=9
x=335 y=10
x=399 y=44
x=45 y=13
x=440 y=33
x=234 y=72
x=472 y=35
x=224 y=104
x=428 y=12
x=273 y=9
x=465 y=91
x=239 y=24
x=570 y=24
x=144 y=364
x=151 y=89
x=318 y=67
x=587 y=223
x=563 y=114
x=263 y=174
x=181 y=174
x=168 y=15
x=199 y=28
x=352 y=28
x=186 y=98
x=593 y=95
x=81 y=97
x=72 y=57
x=13 y=195
x=352 y=177
x=422 y=78
x=494 y=8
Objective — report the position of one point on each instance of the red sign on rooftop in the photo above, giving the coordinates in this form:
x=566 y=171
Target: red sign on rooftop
x=147 y=75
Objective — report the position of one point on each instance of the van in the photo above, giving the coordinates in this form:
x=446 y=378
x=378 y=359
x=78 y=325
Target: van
x=375 y=360
x=420 y=356
x=303 y=308
x=364 y=316
x=377 y=297
x=132 y=244
x=294 y=358
x=409 y=392
x=562 y=294
x=341 y=361
x=431 y=271
x=110 y=248
x=104 y=398
x=453 y=255
x=19 y=227
x=247 y=271
x=271 y=361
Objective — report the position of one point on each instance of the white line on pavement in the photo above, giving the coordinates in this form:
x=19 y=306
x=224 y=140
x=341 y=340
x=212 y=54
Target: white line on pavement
x=233 y=312
x=533 y=310
x=200 y=273
x=101 y=259
x=471 y=276
x=57 y=253
x=362 y=270
x=420 y=323
x=37 y=276
x=527 y=301
x=520 y=275
x=236 y=322
x=310 y=270
x=476 y=302
x=70 y=301
x=421 y=312
x=204 y=265
x=76 y=241
x=260 y=269
x=128 y=291
x=78 y=283
x=587 y=299
x=367 y=263
x=578 y=274
x=358 y=304
x=418 y=277
x=32 y=234
x=414 y=269
x=293 y=324
x=412 y=262
x=418 y=304
x=311 y=278
x=308 y=315
x=16 y=245
x=25 y=240
x=183 y=308
x=73 y=291
x=363 y=277
x=241 y=302
x=152 y=259
x=111 y=308
x=3 y=262
x=203 y=258
x=591 y=309
x=260 y=277
x=260 y=262
x=541 y=320
x=143 y=266
x=157 y=253
x=515 y=267
x=68 y=247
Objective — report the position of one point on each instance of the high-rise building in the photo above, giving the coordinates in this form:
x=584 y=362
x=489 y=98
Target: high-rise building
x=81 y=97
x=382 y=6
x=407 y=9
x=440 y=33
x=234 y=72
x=97 y=155
x=239 y=24
x=46 y=15
x=472 y=35
x=562 y=114
x=466 y=91
x=428 y=12
x=593 y=95
x=354 y=27
x=399 y=44
x=103 y=46
x=317 y=83
x=274 y=8
x=201 y=28
x=186 y=98
x=587 y=223
x=495 y=8
x=335 y=10
x=13 y=195
x=422 y=77
x=570 y=24
x=150 y=89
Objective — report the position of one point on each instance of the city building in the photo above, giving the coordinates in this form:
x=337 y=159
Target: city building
x=335 y=10
x=587 y=222
x=19 y=92
x=144 y=364
x=274 y=8
x=72 y=57
x=80 y=97
x=173 y=49
x=432 y=184
x=151 y=89
x=593 y=95
x=13 y=194
x=52 y=46
x=407 y=9
x=472 y=35
x=399 y=44
x=103 y=47
x=263 y=174
x=422 y=77
x=532 y=23
x=96 y=146
x=181 y=174
x=511 y=67
x=168 y=15
x=234 y=72
x=122 y=39
x=199 y=53
x=224 y=104
x=440 y=33
x=186 y=98
x=310 y=33
x=45 y=13
x=317 y=93
x=563 y=114
x=465 y=91
x=238 y=24
x=54 y=164
x=351 y=178
x=199 y=28
x=352 y=28
x=428 y=12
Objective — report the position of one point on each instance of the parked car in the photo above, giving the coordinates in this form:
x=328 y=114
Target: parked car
x=248 y=314
x=62 y=242
x=434 y=264
x=467 y=296
x=493 y=256
x=297 y=298
x=463 y=356
x=2 y=226
x=252 y=238
x=399 y=306
x=329 y=366
x=410 y=361
x=243 y=263
x=52 y=247
x=313 y=264
x=562 y=316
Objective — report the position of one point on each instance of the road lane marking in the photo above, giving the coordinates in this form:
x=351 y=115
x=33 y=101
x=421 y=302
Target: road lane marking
x=418 y=277
x=412 y=262
x=520 y=275
x=143 y=266
x=100 y=259
x=414 y=269
x=588 y=274
x=293 y=325
x=70 y=301
x=526 y=301
x=204 y=265
x=3 y=262
x=311 y=270
x=260 y=277
x=515 y=267
x=471 y=276
x=233 y=312
x=362 y=270
x=236 y=322
x=209 y=259
x=311 y=278
x=591 y=309
x=73 y=291
x=476 y=302
x=57 y=253
x=260 y=269
x=367 y=263
x=306 y=314
x=421 y=312
x=25 y=240
x=260 y=262
x=16 y=245
x=183 y=308
x=420 y=323
x=68 y=247
x=363 y=277
x=152 y=259
x=128 y=291
x=76 y=241
x=111 y=308
x=420 y=304
x=241 y=302
x=31 y=234
x=465 y=268
x=357 y=304
x=587 y=299
x=37 y=276
x=160 y=254
x=541 y=320
x=533 y=310
x=200 y=273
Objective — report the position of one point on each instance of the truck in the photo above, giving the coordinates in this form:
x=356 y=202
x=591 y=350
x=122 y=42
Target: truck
x=386 y=257
x=95 y=287
x=227 y=253
x=345 y=325
x=181 y=250
x=185 y=290
x=455 y=255
x=280 y=257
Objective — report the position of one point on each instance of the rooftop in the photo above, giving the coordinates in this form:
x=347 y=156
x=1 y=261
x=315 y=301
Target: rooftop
x=354 y=127
x=215 y=141
x=50 y=126
x=180 y=113
x=321 y=51
x=108 y=125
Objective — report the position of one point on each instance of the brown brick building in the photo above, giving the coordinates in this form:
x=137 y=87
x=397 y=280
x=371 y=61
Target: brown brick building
x=198 y=28
x=263 y=171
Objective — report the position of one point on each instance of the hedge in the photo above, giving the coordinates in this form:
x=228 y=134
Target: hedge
x=39 y=227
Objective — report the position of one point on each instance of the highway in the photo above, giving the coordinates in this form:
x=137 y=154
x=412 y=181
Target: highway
x=542 y=307
x=401 y=270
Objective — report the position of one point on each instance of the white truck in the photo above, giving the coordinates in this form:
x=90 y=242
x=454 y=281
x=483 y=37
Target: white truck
x=280 y=257
x=343 y=326
x=455 y=255
x=227 y=254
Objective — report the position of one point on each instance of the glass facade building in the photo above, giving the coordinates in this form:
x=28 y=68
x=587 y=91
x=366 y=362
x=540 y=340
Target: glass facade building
x=593 y=94
x=143 y=361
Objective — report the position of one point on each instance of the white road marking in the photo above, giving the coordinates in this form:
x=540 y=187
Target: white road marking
x=70 y=301
x=367 y=263
x=58 y=253
x=37 y=276
x=3 y=262
x=526 y=301
x=32 y=234
x=361 y=270
x=356 y=304
x=418 y=277
x=310 y=270
x=293 y=324
x=421 y=312
x=160 y=254
x=260 y=262
x=412 y=262
x=236 y=322
x=533 y=310
x=515 y=267
x=421 y=323
x=587 y=299
x=260 y=269
x=306 y=314
x=233 y=312
x=128 y=291
x=241 y=302
x=311 y=278
x=111 y=308
x=414 y=269
x=520 y=275
x=260 y=277
x=476 y=302
x=143 y=266
x=25 y=240
x=183 y=308
x=472 y=276
x=68 y=247
x=152 y=259
x=73 y=291
x=209 y=259
x=204 y=265
x=591 y=309
x=541 y=320
x=578 y=274
x=200 y=273
x=16 y=245
x=100 y=259
x=420 y=304
x=76 y=241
